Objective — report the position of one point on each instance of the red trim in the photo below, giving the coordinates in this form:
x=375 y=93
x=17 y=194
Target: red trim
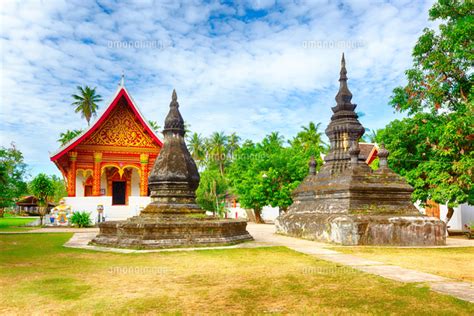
x=372 y=155
x=122 y=93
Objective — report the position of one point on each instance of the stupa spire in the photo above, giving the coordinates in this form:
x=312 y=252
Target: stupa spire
x=344 y=95
x=174 y=121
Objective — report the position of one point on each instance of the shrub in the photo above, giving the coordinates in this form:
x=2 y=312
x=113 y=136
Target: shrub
x=81 y=219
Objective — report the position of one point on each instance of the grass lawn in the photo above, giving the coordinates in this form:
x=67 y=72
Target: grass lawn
x=10 y=224
x=456 y=263
x=38 y=275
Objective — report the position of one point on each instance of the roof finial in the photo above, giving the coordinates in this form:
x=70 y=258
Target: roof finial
x=122 y=80
x=174 y=96
x=344 y=95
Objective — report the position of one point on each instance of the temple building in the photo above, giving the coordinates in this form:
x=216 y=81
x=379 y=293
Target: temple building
x=108 y=164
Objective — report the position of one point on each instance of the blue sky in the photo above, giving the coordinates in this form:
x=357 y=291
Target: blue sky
x=250 y=67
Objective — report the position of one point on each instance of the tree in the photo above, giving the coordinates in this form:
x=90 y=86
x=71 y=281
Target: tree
x=370 y=136
x=233 y=143
x=435 y=145
x=60 y=189
x=12 y=177
x=216 y=145
x=43 y=189
x=246 y=176
x=211 y=192
x=68 y=135
x=86 y=102
x=310 y=137
x=267 y=173
x=154 y=126
x=197 y=149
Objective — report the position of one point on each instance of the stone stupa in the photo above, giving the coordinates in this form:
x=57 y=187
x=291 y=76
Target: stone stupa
x=172 y=219
x=347 y=202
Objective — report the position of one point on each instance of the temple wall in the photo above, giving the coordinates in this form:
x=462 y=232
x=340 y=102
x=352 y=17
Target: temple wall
x=80 y=184
x=135 y=183
x=103 y=183
x=111 y=212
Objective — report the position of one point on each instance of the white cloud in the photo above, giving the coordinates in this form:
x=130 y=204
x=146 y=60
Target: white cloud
x=234 y=69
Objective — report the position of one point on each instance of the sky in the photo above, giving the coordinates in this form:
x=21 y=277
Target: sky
x=250 y=67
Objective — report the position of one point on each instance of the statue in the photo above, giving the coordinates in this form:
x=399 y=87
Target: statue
x=61 y=213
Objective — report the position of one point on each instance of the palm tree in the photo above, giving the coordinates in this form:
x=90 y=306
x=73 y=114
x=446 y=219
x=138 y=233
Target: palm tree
x=86 y=102
x=275 y=138
x=154 y=126
x=217 y=149
x=310 y=137
x=197 y=148
x=65 y=137
x=233 y=142
x=371 y=136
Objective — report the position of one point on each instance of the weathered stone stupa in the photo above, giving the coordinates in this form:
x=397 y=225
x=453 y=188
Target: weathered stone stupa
x=348 y=203
x=172 y=219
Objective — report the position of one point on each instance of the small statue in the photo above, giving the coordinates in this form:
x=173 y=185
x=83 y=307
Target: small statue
x=61 y=213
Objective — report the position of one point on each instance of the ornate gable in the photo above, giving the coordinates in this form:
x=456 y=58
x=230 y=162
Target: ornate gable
x=121 y=128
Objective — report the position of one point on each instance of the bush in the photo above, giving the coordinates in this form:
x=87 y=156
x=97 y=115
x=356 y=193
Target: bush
x=81 y=219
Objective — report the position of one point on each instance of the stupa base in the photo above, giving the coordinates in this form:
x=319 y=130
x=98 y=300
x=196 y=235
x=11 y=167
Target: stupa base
x=162 y=232
x=352 y=230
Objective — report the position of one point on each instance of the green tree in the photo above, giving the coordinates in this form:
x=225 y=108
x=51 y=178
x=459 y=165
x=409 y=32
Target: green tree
x=435 y=141
x=310 y=137
x=216 y=145
x=42 y=188
x=211 y=192
x=13 y=172
x=267 y=173
x=233 y=143
x=246 y=175
x=60 y=189
x=197 y=148
x=154 y=126
x=85 y=102
x=68 y=135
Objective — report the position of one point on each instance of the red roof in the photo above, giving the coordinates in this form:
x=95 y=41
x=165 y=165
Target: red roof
x=121 y=92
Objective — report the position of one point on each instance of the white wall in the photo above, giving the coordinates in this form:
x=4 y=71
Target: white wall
x=80 y=184
x=135 y=182
x=268 y=213
x=463 y=215
x=111 y=212
x=103 y=182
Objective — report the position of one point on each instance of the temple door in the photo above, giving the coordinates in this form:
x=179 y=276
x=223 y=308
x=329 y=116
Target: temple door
x=119 y=192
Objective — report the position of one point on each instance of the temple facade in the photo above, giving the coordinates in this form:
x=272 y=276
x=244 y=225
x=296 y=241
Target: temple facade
x=108 y=164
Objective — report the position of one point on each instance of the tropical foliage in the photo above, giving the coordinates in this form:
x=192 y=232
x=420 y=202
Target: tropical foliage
x=13 y=172
x=68 y=135
x=85 y=102
x=42 y=188
x=433 y=147
x=81 y=219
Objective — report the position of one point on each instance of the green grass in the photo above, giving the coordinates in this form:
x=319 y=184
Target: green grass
x=11 y=224
x=456 y=263
x=38 y=275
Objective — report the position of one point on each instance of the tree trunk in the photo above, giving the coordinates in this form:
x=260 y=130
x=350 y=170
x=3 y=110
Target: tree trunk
x=2 y=211
x=449 y=214
x=258 y=216
x=250 y=215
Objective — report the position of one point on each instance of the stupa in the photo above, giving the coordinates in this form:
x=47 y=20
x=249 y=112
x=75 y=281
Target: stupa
x=172 y=219
x=350 y=204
